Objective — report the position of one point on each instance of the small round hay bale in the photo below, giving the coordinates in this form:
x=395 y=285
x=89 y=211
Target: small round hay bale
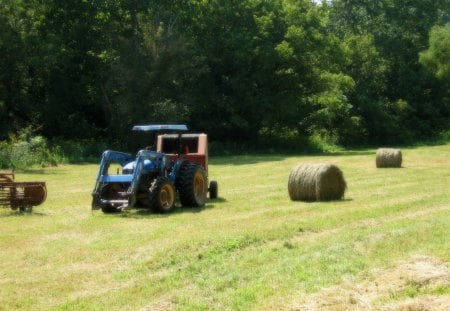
x=316 y=182
x=389 y=157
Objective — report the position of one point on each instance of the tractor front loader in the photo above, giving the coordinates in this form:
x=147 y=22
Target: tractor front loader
x=153 y=179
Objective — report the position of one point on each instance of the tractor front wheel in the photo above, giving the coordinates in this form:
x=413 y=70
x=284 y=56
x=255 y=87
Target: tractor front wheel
x=162 y=195
x=192 y=185
x=108 y=192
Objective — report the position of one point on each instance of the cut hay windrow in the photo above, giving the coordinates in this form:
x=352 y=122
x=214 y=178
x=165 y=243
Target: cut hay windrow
x=316 y=182
x=389 y=157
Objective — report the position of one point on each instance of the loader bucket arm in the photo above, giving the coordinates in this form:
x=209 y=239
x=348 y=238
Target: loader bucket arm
x=108 y=157
x=140 y=168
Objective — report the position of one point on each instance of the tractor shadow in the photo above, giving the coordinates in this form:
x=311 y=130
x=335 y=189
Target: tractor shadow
x=194 y=210
x=145 y=213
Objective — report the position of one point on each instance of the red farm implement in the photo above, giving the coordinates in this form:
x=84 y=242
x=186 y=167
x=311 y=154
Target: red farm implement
x=21 y=195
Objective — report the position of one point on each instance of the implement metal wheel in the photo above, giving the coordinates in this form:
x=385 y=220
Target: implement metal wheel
x=26 y=209
x=162 y=195
x=213 y=189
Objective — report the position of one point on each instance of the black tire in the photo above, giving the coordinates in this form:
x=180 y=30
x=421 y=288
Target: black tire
x=142 y=195
x=26 y=209
x=108 y=192
x=108 y=209
x=192 y=185
x=213 y=189
x=162 y=195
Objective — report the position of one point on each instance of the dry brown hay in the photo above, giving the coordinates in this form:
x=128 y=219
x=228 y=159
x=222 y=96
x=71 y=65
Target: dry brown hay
x=384 y=290
x=389 y=157
x=316 y=182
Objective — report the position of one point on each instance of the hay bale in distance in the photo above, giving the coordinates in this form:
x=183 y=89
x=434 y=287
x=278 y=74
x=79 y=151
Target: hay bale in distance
x=316 y=182
x=389 y=157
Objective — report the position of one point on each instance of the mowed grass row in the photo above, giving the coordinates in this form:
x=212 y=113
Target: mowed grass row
x=251 y=249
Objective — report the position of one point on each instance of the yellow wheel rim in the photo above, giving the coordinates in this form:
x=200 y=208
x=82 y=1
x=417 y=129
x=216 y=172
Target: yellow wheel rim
x=199 y=186
x=166 y=196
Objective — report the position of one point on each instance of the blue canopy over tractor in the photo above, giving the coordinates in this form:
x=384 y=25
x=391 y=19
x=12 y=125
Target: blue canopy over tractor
x=160 y=127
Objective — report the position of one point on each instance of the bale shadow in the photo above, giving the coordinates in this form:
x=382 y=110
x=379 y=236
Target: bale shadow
x=324 y=201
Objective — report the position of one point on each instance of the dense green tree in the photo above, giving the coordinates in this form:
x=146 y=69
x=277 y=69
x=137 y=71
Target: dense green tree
x=16 y=28
x=437 y=57
x=405 y=103
x=437 y=60
x=261 y=68
x=234 y=45
x=348 y=71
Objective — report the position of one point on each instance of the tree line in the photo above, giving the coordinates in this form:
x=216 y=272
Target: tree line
x=349 y=71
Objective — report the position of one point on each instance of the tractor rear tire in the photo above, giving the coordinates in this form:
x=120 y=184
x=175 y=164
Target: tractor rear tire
x=162 y=195
x=192 y=185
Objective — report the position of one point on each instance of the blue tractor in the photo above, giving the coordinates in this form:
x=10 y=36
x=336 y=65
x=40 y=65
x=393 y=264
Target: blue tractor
x=154 y=179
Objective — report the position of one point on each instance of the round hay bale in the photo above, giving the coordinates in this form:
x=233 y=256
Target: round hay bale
x=389 y=157
x=316 y=182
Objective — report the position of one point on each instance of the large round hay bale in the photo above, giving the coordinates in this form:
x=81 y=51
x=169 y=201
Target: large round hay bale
x=389 y=157
x=316 y=182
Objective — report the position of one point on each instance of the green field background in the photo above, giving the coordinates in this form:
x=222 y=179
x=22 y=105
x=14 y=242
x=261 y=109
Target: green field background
x=250 y=249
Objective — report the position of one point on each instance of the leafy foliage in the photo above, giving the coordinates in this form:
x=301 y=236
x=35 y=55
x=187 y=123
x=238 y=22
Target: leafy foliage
x=347 y=71
x=437 y=57
x=26 y=150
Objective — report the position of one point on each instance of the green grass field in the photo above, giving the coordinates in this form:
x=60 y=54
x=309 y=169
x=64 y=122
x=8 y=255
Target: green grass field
x=251 y=249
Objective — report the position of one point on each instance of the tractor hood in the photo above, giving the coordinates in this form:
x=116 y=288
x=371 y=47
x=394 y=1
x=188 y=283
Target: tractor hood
x=148 y=166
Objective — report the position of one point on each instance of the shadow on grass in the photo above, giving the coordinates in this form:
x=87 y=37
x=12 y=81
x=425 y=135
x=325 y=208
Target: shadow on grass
x=37 y=171
x=325 y=201
x=147 y=213
x=17 y=213
x=263 y=158
x=246 y=159
x=349 y=153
